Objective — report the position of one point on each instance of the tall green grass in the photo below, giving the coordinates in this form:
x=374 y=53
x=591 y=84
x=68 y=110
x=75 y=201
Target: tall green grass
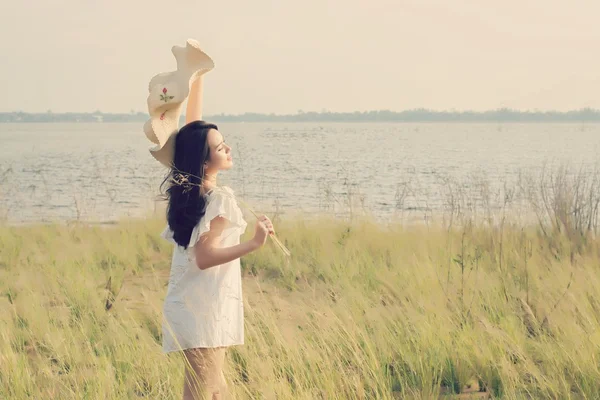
x=361 y=310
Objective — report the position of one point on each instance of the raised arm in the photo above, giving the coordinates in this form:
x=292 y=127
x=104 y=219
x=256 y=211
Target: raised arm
x=193 y=110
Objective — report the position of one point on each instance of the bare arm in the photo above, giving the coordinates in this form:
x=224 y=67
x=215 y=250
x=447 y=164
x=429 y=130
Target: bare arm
x=209 y=254
x=193 y=110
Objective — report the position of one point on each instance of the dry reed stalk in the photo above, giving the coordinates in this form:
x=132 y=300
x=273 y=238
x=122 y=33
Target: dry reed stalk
x=275 y=239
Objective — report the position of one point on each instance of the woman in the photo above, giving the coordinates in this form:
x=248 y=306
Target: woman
x=203 y=308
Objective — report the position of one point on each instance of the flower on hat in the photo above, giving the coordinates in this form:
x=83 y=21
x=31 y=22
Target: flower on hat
x=164 y=96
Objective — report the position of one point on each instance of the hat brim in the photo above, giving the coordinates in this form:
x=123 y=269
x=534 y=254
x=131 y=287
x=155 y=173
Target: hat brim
x=167 y=92
x=165 y=154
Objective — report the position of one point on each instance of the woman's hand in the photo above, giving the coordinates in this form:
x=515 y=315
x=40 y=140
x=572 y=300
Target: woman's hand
x=264 y=228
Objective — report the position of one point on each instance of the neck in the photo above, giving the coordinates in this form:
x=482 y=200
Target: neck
x=210 y=181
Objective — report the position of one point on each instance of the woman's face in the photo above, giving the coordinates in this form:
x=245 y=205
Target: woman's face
x=220 y=153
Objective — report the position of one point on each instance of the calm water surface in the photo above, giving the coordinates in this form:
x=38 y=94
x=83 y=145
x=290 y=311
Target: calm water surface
x=101 y=172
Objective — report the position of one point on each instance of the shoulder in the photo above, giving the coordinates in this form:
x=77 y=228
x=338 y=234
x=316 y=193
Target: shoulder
x=221 y=193
x=221 y=202
x=221 y=197
x=222 y=189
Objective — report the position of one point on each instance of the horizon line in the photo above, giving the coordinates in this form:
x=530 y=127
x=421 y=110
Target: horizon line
x=325 y=111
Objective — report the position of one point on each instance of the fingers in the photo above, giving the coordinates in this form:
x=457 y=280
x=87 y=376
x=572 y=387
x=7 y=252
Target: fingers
x=264 y=220
x=267 y=226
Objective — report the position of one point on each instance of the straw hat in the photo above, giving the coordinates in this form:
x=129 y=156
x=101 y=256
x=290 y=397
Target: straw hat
x=168 y=91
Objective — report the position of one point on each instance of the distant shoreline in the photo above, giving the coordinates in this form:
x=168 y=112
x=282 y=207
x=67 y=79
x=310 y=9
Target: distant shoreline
x=408 y=116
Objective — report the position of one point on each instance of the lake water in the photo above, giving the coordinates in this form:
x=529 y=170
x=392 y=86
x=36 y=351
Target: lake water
x=100 y=172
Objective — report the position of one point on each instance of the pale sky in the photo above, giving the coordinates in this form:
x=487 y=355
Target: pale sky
x=282 y=56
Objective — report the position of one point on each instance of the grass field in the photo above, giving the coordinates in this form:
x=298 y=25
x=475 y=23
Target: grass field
x=361 y=310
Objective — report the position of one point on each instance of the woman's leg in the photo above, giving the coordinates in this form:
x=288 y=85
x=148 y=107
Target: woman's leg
x=224 y=388
x=204 y=375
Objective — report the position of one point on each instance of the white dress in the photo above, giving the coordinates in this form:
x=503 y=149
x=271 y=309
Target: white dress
x=204 y=308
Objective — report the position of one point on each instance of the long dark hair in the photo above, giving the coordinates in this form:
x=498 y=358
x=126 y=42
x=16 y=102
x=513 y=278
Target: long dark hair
x=183 y=181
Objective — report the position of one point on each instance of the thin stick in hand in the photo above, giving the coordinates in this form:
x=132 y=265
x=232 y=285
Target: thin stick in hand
x=275 y=239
